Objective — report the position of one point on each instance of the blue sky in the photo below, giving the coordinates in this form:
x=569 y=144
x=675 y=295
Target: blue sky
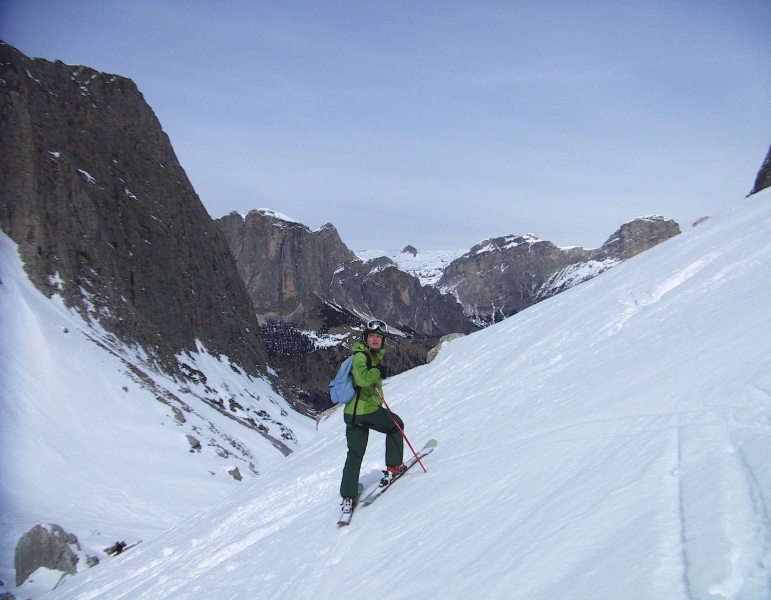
x=440 y=124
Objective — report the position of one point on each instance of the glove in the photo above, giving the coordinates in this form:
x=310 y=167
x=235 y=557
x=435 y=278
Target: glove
x=383 y=371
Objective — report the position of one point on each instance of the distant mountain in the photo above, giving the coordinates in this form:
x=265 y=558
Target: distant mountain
x=288 y=269
x=494 y=279
x=427 y=265
x=500 y=277
x=310 y=292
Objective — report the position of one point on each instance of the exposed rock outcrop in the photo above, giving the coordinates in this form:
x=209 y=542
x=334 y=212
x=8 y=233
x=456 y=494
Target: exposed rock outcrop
x=45 y=547
x=499 y=277
x=763 y=179
x=433 y=353
x=637 y=236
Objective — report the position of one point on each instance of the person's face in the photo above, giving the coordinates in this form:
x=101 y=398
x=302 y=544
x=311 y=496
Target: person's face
x=374 y=341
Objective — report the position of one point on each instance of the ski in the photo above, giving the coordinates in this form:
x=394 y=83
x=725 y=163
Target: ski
x=345 y=518
x=378 y=491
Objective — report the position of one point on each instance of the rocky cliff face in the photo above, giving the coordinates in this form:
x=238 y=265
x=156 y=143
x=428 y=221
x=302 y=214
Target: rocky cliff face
x=104 y=215
x=283 y=263
x=763 y=180
x=637 y=236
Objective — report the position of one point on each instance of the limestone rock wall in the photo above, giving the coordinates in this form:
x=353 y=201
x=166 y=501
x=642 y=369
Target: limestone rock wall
x=104 y=215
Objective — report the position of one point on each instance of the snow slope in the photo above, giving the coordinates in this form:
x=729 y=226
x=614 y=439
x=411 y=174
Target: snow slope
x=610 y=443
x=92 y=438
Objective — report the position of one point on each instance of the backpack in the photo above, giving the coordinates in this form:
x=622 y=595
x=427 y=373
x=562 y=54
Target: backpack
x=342 y=389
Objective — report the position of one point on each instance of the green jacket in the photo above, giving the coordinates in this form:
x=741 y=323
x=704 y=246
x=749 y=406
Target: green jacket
x=369 y=400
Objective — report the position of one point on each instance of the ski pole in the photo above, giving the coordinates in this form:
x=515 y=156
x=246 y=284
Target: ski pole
x=404 y=435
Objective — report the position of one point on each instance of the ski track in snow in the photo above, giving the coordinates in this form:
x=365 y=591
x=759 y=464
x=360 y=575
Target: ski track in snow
x=732 y=551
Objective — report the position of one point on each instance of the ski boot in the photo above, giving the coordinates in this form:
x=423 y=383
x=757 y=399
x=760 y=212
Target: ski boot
x=347 y=505
x=390 y=474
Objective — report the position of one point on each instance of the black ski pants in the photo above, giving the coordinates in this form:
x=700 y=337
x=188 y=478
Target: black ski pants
x=357 y=435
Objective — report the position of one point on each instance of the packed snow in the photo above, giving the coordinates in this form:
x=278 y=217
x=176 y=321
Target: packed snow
x=611 y=442
x=94 y=439
x=277 y=215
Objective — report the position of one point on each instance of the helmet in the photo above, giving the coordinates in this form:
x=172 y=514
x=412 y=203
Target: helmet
x=375 y=326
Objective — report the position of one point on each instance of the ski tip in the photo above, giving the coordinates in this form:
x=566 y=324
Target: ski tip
x=431 y=443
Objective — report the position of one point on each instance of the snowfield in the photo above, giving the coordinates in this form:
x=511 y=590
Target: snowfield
x=96 y=441
x=609 y=443
x=427 y=266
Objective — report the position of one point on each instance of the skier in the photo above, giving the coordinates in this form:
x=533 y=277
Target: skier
x=366 y=412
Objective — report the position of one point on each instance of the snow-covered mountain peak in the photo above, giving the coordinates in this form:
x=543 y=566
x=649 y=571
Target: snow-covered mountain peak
x=427 y=266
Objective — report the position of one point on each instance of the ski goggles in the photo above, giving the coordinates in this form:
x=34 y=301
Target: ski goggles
x=377 y=324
